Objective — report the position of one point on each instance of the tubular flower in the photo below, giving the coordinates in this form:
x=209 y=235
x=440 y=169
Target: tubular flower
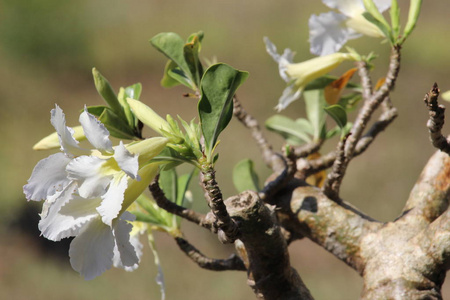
x=87 y=191
x=300 y=74
x=328 y=32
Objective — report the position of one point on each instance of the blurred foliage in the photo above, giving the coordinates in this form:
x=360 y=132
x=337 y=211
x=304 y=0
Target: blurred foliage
x=50 y=33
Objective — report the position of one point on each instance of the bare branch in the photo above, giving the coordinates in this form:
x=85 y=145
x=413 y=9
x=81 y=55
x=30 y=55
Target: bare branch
x=233 y=263
x=436 y=121
x=334 y=178
x=269 y=274
x=175 y=209
x=366 y=83
x=271 y=159
x=307 y=149
x=430 y=196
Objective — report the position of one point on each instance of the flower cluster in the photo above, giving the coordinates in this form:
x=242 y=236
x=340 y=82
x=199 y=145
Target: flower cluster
x=87 y=192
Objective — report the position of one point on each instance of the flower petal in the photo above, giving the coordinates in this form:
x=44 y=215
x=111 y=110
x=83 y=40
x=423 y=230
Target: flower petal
x=127 y=161
x=67 y=215
x=96 y=132
x=65 y=134
x=91 y=252
x=126 y=256
x=87 y=171
x=282 y=60
x=112 y=199
x=327 y=34
x=382 y=5
x=290 y=94
x=349 y=8
x=48 y=178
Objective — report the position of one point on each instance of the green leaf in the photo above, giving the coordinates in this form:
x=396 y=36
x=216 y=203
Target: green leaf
x=97 y=110
x=126 y=107
x=372 y=9
x=168 y=81
x=338 y=114
x=383 y=26
x=395 y=18
x=291 y=130
x=315 y=102
x=306 y=126
x=245 y=177
x=116 y=126
x=219 y=83
x=182 y=186
x=170 y=159
x=105 y=90
x=191 y=50
x=168 y=183
x=413 y=16
x=323 y=81
x=172 y=46
x=350 y=101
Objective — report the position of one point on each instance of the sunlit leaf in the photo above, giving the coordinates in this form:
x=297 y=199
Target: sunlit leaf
x=338 y=114
x=219 y=83
x=294 y=132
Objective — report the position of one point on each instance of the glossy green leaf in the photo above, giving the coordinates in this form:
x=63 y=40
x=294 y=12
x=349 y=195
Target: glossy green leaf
x=294 y=132
x=350 y=101
x=172 y=46
x=372 y=9
x=315 y=102
x=191 y=50
x=96 y=110
x=116 y=126
x=105 y=90
x=168 y=81
x=122 y=96
x=182 y=187
x=338 y=114
x=245 y=177
x=219 y=83
x=169 y=158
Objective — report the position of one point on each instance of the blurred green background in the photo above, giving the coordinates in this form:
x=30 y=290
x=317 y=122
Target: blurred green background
x=47 y=50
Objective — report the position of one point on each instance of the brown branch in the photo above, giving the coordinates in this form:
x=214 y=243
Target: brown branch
x=333 y=182
x=269 y=272
x=366 y=83
x=326 y=161
x=174 y=208
x=233 y=263
x=228 y=230
x=430 y=196
x=269 y=156
x=436 y=120
x=307 y=149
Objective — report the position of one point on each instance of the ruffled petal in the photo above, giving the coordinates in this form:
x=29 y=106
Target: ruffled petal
x=327 y=33
x=290 y=94
x=87 y=171
x=112 y=200
x=349 y=8
x=66 y=216
x=125 y=254
x=95 y=132
x=127 y=161
x=282 y=60
x=91 y=252
x=69 y=144
x=48 y=178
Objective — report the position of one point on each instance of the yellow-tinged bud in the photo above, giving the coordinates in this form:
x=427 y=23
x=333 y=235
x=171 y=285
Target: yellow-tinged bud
x=148 y=116
x=135 y=188
x=148 y=148
x=52 y=141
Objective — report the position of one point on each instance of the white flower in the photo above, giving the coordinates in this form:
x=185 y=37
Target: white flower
x=87 y=191
x=328 y=32
x=300 y=74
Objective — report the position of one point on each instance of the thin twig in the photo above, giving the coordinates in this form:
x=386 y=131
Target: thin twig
x=173 y=208
x=332 y=184
x=307 y=149
x=233 y=263
x=268 y=154
x=436 y=120
x=366 y=83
